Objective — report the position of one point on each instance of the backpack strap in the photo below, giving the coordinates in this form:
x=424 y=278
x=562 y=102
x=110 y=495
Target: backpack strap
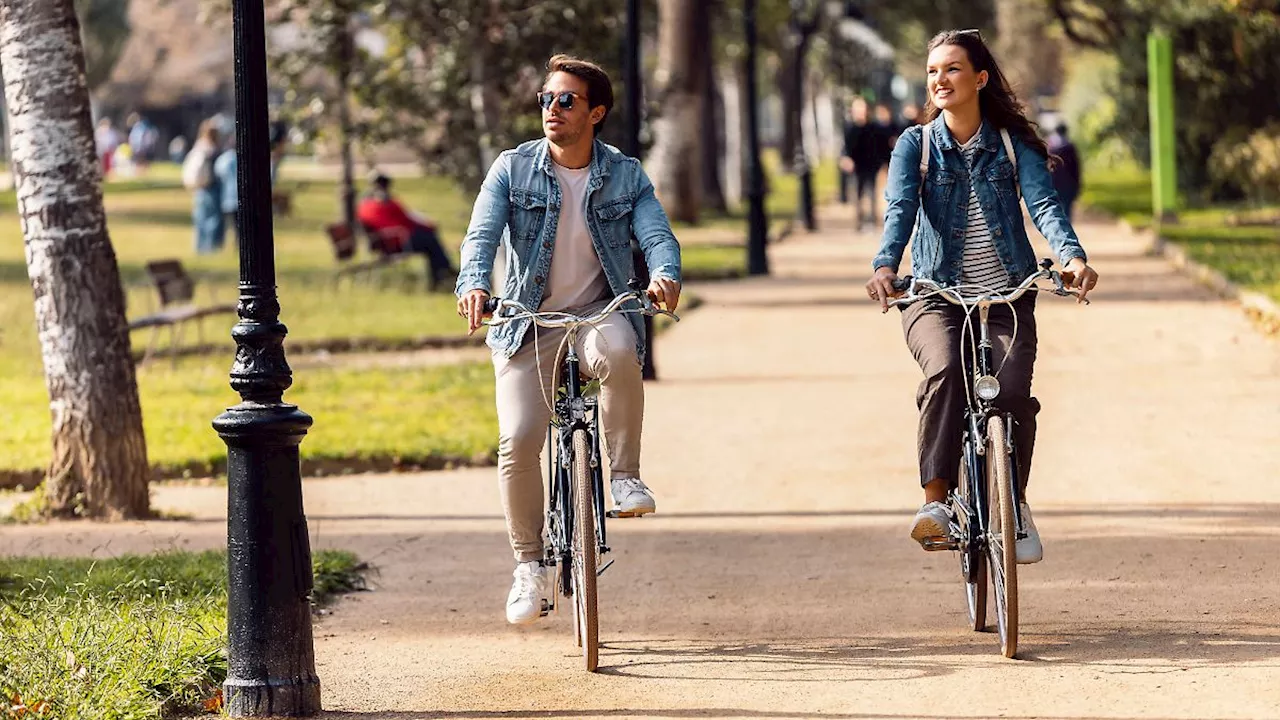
x=1013 y=158
x=926 y=132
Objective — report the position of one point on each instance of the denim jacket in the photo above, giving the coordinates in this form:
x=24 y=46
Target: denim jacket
x=519 y=206
x=939 y=214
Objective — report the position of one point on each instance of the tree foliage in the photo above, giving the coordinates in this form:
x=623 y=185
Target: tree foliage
x=1227 y=65
x=104 y=30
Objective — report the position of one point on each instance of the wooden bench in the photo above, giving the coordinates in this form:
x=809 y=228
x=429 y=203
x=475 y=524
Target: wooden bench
x=343 y=240
x=177 y=305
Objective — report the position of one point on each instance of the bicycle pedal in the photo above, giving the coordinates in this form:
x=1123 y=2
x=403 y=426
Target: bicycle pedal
x=940 y=544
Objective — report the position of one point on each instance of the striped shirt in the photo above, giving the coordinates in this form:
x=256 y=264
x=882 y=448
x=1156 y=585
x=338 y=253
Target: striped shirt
x=980 y=265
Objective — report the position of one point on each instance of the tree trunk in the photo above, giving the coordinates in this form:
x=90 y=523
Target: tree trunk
x=1029 y=57
x=713 y=141
x=683 y=40
x=346 y=62
x=744 y=128
x=99 y=466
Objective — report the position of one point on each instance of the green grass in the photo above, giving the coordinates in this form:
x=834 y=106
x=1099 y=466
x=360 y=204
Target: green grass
x=394 y=416
x=365 y=417
x=386 y=416
x=129 y=638
x=1248 y=255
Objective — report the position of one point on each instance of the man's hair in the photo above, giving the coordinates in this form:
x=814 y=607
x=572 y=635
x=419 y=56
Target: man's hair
x=599 y=88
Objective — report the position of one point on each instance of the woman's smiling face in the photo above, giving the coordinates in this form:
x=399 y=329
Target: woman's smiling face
x=952 y=81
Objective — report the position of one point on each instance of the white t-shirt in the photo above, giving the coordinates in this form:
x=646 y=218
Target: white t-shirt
x=576 y=278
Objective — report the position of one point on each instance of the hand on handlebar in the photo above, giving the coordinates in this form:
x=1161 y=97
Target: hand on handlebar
x=664 y=291
x=883 y=287
x=1079 y=276
x=474 y=307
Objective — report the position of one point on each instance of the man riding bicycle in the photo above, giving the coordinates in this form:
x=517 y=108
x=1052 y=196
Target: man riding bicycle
x=565 y=209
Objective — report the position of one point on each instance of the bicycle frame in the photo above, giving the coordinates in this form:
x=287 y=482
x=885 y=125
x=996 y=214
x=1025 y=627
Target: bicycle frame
x=574 y=411
x=972 y=530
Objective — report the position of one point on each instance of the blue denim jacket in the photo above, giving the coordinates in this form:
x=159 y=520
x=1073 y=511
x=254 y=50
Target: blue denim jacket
x=939 y=214
x=519 y=206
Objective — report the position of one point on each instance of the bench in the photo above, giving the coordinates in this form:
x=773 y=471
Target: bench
x=177 y=306
x=343 y=240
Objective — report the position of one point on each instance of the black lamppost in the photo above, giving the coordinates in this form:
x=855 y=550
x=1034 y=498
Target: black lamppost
x=631 y=79
x=802 y=30
x=271 y=664
x=757 y=224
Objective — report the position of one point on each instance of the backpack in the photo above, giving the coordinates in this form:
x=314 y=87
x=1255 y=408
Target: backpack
x=197 y=169
x=926 y=134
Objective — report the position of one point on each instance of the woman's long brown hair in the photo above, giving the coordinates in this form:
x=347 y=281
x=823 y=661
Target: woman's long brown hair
x=997 y=102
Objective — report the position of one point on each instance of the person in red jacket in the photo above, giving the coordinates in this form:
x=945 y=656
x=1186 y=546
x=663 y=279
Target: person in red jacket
x=402 y=231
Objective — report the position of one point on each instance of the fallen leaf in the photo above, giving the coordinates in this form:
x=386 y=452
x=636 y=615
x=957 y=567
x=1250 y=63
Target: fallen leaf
x=214 y=704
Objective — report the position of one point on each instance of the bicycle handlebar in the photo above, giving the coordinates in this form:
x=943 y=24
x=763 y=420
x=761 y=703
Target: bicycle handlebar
x=912 y=287
x=496 y=305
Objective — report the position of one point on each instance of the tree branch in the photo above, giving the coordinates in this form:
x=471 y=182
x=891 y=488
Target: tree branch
x=1068 y=17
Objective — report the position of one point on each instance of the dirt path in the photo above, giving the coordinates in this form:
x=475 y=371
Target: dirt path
x=778 y=580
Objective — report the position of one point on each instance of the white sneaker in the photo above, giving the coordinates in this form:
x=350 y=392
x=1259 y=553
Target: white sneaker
x=631 y=497
x=1028 y=549
x=933 y=522
x=527 y=601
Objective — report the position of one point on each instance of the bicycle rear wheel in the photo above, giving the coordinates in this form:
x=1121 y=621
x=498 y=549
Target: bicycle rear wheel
x=973 y=561
x=585 y=547
x=1002 y=535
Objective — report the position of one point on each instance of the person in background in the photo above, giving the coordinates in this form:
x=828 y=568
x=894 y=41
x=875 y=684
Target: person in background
x=199 y=177
x=225 y=168
x=889 y=131
x=378 y=211
x=107 y=139
x=177 y=149
x=143 y=137
x=863 y=156
x=279 y=142
x=909 y=117
x=1066 y=176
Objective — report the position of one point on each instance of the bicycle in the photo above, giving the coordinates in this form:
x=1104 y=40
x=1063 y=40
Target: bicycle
x=575 y=507
x=985 y=518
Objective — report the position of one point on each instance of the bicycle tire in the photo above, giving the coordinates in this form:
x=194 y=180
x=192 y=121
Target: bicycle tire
x=585 y=548
x=971 y=555
x=1002 y=542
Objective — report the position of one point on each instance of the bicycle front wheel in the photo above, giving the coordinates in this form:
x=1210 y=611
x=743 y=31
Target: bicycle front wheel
x=585 y=548
x=973 y=560
x=1003 y=535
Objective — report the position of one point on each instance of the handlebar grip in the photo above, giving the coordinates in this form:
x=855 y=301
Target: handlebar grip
x=902 y=284
x=491 y=305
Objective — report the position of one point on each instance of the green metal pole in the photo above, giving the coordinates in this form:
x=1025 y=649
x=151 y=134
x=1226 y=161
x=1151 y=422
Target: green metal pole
x=1164 y=176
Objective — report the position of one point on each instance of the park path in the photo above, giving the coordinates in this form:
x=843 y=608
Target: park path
x=778 y=580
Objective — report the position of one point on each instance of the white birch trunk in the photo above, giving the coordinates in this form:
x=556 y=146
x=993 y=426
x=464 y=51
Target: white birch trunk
x=99 y=466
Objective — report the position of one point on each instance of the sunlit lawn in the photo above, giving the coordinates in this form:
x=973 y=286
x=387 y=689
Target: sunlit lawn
x=408 y=416
x=1247 y=254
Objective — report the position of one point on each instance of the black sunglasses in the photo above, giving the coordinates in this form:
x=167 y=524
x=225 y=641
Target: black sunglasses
x=565 y=99
x=974 y=31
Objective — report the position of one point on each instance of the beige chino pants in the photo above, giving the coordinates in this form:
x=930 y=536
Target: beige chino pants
x=525 y=391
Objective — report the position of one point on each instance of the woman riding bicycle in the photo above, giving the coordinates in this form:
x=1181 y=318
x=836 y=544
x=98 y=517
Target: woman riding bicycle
x=963 y=202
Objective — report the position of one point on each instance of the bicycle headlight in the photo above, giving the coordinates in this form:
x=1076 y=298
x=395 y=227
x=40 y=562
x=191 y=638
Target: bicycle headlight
x=987 y=387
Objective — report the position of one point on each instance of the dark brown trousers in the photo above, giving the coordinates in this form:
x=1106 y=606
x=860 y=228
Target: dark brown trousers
x=933 y=331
